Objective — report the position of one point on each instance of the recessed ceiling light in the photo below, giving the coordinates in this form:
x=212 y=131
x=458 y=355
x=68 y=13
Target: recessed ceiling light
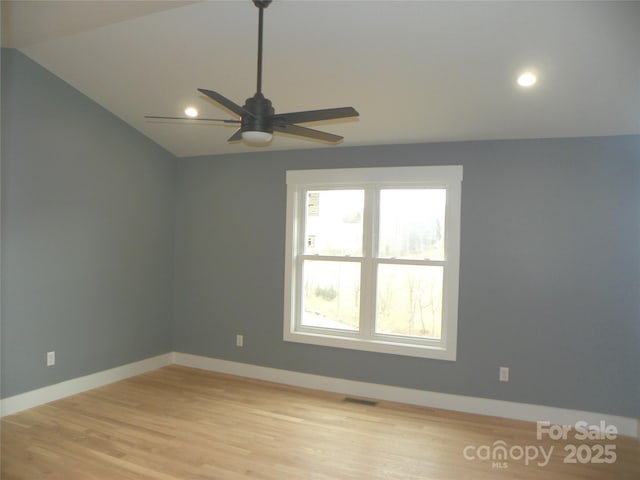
x=527 y=79
x=191 y=112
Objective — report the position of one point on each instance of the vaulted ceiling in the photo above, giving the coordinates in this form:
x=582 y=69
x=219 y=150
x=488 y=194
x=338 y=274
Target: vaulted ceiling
x=417 y=71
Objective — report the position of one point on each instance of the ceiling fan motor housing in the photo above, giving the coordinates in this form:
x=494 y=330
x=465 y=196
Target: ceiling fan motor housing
x=261 y=116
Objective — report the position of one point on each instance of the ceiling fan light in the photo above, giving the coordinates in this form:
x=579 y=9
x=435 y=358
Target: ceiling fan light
x=256 y=137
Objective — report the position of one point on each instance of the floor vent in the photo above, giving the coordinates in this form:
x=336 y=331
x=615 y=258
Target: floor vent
x=361 y=401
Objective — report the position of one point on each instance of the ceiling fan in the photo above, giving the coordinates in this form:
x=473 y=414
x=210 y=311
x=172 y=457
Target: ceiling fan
x=258 y=119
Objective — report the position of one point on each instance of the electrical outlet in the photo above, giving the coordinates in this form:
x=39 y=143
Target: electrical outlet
x=51 y=359
x=239 y=340
x=504 y=374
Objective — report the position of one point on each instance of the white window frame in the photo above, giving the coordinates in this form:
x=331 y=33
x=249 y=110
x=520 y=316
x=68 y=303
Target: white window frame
x=372 y=179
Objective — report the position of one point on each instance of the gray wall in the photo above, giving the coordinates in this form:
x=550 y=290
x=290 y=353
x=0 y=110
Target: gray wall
x=549 y=281
x=87 y=234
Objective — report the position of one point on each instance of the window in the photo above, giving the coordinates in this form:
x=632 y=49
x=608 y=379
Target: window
x=372 y=259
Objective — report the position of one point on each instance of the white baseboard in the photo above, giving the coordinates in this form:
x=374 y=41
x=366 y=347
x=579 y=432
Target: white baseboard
x=629 y=427
x=60 y=390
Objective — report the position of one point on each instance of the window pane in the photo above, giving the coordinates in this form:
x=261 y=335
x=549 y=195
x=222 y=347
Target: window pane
x=333 y=222
x=331 y=294
x=412 y=224
x=409 y=300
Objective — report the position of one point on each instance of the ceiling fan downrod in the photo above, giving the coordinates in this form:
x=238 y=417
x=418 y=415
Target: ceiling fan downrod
x=261 y=4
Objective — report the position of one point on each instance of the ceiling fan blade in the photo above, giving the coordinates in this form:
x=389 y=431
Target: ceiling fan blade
x=236 y=136
x=223 y=120
x=308 y=132
x=315 y=115
x=225 y=102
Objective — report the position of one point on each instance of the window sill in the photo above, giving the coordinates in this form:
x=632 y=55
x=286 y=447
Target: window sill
x=373 y=345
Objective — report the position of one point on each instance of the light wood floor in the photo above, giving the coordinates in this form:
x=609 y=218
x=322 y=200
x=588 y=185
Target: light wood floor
x=179 y=423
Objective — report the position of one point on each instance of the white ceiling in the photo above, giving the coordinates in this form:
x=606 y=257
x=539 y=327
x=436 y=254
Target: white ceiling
x=417 y=71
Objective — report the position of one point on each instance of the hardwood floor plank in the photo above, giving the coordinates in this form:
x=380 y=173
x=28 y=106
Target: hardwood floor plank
x=180 y=423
